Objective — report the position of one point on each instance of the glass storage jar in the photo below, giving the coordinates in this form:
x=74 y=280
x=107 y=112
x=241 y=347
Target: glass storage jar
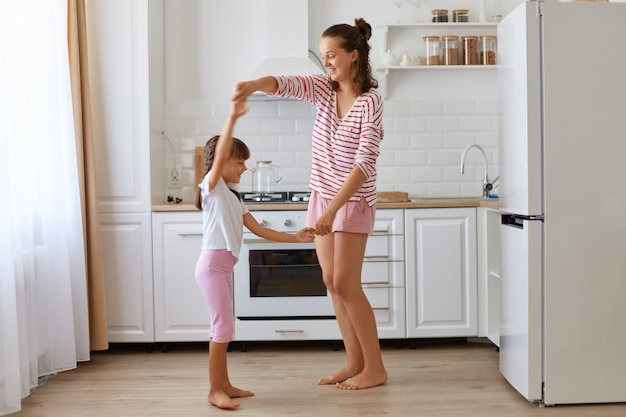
x=469 y=48
x=432 y=48
x=440 y=15
x=487 y=50
x=450 y=50
x=460 y=15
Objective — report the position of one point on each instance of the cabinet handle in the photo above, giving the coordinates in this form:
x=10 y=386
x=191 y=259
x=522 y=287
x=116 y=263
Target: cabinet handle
x=289 y=331
x=189 y=234
x=380 y=308
x=376 y=257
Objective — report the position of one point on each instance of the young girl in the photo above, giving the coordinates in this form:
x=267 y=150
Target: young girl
x=224 y=215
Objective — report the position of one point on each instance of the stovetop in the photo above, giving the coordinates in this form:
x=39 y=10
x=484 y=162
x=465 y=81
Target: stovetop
x=276 y=197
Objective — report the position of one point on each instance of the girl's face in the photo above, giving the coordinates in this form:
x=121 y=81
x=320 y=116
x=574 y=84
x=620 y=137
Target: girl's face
x=337 y=61
x=233 y=170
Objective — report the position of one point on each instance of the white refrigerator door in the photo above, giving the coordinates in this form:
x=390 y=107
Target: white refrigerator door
x=520 y=311
x=519 y=91
x=585 y=202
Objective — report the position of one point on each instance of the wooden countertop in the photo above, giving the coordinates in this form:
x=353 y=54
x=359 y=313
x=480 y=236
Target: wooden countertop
x=414 y=203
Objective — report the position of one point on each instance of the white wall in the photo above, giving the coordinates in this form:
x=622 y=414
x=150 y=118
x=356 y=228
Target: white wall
x=430 y=117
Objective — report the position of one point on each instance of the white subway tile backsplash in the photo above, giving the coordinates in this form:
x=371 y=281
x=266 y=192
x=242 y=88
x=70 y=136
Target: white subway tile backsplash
x=277 y=126
x=420 y=154
x=443 y=124
x=459 y=107
x=427 y=107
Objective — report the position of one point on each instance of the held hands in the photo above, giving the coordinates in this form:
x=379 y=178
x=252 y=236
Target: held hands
x=305 y=235
x=238 y=109
x=324 y=223
x=242 y=90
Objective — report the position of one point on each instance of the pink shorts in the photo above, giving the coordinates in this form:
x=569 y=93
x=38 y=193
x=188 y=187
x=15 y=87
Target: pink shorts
x=214 y=271
x=353 y=217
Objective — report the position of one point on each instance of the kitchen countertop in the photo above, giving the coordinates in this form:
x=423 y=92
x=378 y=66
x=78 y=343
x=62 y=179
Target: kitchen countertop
x=430 y=202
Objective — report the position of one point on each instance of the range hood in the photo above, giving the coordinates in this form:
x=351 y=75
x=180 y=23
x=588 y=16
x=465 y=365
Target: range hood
x=287 y=41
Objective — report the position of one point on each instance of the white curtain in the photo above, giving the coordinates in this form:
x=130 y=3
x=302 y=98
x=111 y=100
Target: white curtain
x=43 y=303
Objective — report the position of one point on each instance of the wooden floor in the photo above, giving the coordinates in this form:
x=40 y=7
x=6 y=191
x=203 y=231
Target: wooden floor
x=437 y=378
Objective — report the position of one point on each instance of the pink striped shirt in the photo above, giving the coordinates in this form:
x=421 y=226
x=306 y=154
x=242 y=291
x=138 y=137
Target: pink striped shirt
x=339 y=144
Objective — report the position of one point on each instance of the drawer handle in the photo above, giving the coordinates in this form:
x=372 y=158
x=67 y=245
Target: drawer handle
x=381 y=308
x=289 y=331
x=189 y=234
x=376 y=257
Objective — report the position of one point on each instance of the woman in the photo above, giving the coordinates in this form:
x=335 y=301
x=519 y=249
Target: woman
x=346 y=138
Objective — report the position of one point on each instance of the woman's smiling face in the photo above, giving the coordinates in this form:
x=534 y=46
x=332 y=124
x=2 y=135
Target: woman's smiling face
x=337 y=61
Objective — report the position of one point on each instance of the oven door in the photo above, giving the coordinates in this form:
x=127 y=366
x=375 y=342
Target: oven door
x=279 y=281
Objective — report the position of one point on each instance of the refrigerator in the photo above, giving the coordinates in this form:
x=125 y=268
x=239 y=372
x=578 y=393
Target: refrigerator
x=562 y=166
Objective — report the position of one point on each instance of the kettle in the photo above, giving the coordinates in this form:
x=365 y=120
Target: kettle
x=265 y=176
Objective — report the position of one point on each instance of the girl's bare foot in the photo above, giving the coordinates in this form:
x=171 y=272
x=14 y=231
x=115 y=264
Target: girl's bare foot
x=364 y=380
x=337 y=377
x=221 y=400
x=234 y=392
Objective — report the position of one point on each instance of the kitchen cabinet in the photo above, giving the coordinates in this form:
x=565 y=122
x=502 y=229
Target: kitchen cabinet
x=441 y=272
x=119 y=85
x=488 y=267
x=127 y=254
x=180 y=310
x=401 y=39
x=383 y=273
x=181 y=314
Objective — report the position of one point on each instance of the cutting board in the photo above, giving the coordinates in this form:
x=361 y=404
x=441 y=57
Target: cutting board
x=392 y=197
x=199 y=164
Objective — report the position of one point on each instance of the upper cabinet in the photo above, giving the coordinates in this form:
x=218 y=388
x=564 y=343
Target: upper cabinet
x=119 y=83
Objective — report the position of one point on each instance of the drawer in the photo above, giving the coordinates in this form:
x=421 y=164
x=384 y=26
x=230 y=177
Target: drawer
x=287 y=330
x=389 y=310
x=389 y=247
x=385 y=273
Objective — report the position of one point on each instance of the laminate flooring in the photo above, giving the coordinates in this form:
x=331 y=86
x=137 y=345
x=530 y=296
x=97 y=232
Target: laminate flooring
x=438 y=378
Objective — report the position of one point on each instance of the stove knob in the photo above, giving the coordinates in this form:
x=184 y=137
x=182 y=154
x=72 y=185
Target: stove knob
x=287 y=222
x=306 y=198
x=263 y=223
x=295 y=198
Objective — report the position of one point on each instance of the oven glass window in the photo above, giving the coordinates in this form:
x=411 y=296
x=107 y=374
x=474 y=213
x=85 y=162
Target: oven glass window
x=285 y=273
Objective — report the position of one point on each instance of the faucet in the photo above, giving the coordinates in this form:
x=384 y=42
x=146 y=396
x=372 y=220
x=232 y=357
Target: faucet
x=487 y=186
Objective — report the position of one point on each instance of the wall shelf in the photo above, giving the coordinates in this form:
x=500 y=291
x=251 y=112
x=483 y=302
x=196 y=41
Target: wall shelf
x=450 y=28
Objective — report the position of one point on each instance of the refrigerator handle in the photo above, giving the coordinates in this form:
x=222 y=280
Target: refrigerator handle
x=517 y=221
x=512 y=221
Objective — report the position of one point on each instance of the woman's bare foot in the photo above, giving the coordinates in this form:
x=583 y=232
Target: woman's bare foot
x=364 y=380
x=234 y=392
x=221 y=400
x=337 y=377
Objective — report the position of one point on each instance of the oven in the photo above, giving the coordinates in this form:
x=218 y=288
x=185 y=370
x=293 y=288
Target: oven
x=279 y=281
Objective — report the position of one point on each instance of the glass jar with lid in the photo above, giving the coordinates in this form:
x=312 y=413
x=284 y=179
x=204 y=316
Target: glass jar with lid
x=469 y=48
x=450 y=50
x=487 y=49
x=460 y=15
x=432 y=48
x=440 y=15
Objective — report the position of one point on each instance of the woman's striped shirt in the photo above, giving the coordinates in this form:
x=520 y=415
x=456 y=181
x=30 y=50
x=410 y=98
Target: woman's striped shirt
x=339 y=144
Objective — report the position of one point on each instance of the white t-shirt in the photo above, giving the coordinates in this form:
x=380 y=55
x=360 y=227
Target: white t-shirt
x=222 y=217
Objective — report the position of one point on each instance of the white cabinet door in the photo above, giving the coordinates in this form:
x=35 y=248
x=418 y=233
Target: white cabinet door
x=127 y=253
x=118 y=44
x=441 y=272
x=180 y=311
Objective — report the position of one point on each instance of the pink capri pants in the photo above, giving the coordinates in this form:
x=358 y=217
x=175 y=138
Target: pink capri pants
x=214 y=275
